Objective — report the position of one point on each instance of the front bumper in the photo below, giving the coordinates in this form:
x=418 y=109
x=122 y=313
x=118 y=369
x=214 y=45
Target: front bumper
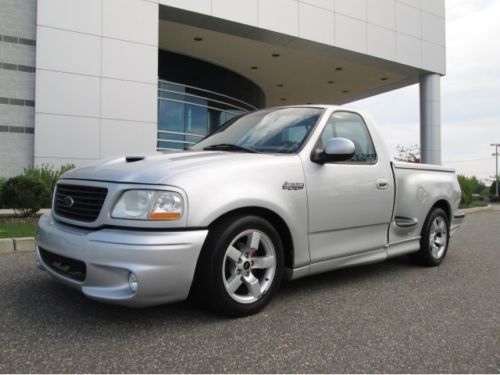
x=163 y=262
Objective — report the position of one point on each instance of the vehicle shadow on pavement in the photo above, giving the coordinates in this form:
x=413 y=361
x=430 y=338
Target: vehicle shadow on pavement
x=346 y=276
x=41 y=298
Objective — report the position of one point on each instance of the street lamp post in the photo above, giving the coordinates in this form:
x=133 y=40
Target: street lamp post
x=496 y=165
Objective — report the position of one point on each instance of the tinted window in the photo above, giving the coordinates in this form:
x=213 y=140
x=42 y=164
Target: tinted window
x=351 y=126
x=281 y=130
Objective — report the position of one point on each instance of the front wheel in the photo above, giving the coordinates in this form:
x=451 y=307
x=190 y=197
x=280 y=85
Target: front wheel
x=434 y=239
x=241 y=266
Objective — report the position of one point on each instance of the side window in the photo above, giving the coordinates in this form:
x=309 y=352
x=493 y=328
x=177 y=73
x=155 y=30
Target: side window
x=351 y=126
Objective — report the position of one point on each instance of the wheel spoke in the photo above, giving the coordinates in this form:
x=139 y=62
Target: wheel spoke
x=442 y=227
x=233 y=253
x=435 y=251
x=435 y=226
x=439 y=240
x=263 y=262
x=253 y=285
x=253 y=240
x=234 y=284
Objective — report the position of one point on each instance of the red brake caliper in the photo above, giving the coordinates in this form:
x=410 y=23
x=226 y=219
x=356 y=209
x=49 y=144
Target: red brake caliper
x=252 y=255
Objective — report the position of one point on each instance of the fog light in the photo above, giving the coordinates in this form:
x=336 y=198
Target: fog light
x=132 y=282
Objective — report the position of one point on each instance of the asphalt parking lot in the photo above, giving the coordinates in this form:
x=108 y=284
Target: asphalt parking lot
x=388 y=317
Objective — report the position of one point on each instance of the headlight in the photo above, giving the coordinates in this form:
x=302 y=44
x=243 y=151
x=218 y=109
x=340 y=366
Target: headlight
x=148 y=205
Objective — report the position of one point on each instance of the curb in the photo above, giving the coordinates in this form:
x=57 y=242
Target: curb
x=6 y=212
x=476 y=209
x=18 y=244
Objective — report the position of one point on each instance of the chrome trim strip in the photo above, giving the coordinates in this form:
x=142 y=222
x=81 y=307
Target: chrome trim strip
x=202 y=97
x=205 y=90
x=199 y=105
x=179 y=133
x=174 y=141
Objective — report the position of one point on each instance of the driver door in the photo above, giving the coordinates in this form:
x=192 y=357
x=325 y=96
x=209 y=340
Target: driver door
x=350 y=203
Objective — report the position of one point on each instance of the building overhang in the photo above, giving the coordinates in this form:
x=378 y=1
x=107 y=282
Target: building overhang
x=290 y=70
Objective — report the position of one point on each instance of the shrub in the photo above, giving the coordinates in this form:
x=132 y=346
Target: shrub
x=48 y=176
x=2 y=183
x=25 y=194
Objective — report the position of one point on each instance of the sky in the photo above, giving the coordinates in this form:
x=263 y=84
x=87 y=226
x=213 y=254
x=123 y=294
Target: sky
x=470 y=93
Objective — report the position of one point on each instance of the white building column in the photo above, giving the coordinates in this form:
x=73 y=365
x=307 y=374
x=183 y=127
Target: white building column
x=430 y=118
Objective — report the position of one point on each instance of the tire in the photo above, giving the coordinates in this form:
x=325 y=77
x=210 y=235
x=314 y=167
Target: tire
x=434 y=240
x=240 y=266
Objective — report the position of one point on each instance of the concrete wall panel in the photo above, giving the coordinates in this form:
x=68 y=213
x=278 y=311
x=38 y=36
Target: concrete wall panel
x=325 y=4
x=71 y=51
x=136 y=138
x=433 y=29
x=408 y=20
x=381 y=13
x=67 y=94
x=199 y=6
x=316 y=24
x=242 y=11
x=279 y=15
x=75 y=15
x=129 y=61
x=381 y=42
x=67 y=137
x=131 y=20
x=129 y=100
x=350 y=33
x=409 y=50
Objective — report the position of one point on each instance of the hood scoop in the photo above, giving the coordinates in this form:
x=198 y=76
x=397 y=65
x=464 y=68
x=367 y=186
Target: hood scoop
x=133 y=159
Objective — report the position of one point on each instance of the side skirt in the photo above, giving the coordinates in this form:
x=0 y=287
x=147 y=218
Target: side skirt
x=374 y=256
x=392 y=250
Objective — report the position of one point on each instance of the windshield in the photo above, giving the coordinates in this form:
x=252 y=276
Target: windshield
x=281 y=130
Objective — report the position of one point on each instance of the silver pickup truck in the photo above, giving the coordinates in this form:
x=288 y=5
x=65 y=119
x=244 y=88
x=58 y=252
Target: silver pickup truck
x=283 y=192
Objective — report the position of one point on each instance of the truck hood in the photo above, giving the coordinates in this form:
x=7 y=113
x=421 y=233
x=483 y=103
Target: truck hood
x=163 y=168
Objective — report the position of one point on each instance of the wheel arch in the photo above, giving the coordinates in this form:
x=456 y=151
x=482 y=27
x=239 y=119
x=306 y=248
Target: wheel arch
x=444 y=205
x=276 y=221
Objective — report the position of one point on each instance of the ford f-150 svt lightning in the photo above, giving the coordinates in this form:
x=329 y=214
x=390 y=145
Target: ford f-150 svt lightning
x=282 y=192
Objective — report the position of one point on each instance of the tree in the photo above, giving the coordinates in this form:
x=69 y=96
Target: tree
x=410 y=154
x=466 y=185
x=493 y=189
x=477 y=186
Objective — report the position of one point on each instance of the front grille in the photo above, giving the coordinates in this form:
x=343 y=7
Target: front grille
x=72 y=268
x=76 y=202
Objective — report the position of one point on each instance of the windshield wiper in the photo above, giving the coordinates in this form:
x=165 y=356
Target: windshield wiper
x=229 y=147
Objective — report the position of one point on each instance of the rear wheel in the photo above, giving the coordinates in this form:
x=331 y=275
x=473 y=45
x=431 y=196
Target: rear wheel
x=241 y=266
x=434 y=239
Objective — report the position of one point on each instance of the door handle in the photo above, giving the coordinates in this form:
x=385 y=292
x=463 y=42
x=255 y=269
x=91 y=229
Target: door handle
x=382 y=183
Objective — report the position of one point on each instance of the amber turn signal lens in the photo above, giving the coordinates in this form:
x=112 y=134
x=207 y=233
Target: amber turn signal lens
x=164 y=216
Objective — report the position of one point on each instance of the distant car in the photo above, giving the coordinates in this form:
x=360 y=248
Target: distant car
x=290 y=191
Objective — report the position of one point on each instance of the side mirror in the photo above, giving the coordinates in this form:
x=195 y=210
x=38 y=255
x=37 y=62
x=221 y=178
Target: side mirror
x=336 y=149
